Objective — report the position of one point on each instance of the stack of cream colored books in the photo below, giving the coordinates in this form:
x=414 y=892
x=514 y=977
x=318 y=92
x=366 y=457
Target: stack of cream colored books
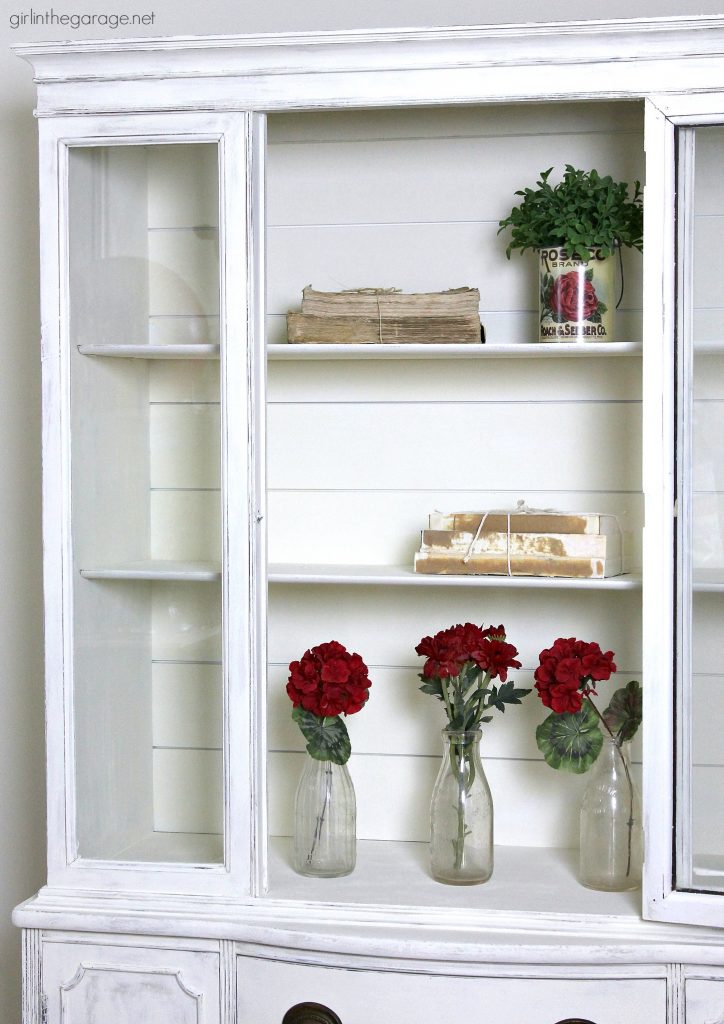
x=579 y=545
x=374 y=316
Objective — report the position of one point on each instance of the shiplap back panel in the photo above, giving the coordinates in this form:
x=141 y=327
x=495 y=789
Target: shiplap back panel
x=183 y=240
x=359 y=453
x=412 y=199
x=453 y=435
x=185 y=467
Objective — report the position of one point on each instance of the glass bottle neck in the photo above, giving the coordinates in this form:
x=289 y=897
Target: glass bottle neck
x=614 y=752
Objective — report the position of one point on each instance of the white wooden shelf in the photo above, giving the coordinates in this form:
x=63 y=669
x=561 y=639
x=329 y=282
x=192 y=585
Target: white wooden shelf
x=708 y=872
x=709 y=348
x=396 y=874
x=198 y=572
x=400 y=575
x=175 y=848
x=152 y=351
x=708 y=581
x=524 y=350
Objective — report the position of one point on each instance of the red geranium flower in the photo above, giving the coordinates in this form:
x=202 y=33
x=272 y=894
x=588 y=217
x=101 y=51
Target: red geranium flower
x=567 y=671
x=329 y=681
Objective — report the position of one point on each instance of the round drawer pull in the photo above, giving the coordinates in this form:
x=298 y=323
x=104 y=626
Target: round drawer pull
x=575 y=1020
x=310 y=1013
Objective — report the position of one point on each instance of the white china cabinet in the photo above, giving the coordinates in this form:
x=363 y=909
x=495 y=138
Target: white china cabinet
x=217 y=501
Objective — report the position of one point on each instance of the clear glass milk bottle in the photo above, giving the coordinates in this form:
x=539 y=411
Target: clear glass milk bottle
x=611 y=833
x=461 y=814
x=325 y=820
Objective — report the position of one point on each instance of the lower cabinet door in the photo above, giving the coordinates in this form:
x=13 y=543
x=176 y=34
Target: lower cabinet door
x=98 y=983
x=268 y=990
x=705 y=999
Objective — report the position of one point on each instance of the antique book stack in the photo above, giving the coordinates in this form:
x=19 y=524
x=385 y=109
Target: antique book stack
x=582 y=545
x=374 y=316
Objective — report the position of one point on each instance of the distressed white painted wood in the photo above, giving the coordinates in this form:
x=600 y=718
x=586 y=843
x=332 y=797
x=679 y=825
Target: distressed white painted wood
x=354 y=448
x=185 y=624
x=267 y=988
x=33 y=998
x=704 y=996
x=125 y=983
x=693 y=831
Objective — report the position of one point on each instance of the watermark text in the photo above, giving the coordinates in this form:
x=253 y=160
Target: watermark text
x=51 y=17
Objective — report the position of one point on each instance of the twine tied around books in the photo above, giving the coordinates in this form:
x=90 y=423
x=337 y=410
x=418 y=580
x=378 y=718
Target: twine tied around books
x=522 y=508
x=376 y=292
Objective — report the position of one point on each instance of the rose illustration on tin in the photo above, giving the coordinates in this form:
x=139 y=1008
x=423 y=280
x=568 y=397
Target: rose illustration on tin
x=571 y=297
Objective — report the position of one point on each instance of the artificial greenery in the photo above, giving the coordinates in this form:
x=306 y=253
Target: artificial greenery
x=327 y=738
x=466 y=701
x=572 y=741
x=583 y=211
x=623 y=715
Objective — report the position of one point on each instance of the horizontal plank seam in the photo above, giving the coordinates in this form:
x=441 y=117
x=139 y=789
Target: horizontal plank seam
x=425 y=403
x=462 y=137
x=449 y=490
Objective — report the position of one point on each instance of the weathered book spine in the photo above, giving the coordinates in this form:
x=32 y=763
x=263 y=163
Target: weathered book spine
x=560 y=545
x=534 y=522
x=454 y=564
x=303 y=328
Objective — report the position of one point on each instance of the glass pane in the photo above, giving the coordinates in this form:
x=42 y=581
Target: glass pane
x=700 y=800
x=146 y=502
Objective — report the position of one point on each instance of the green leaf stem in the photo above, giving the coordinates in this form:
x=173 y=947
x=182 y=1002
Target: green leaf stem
x=623 y=715
x=571 y=741
x=327 y=738
x=468 y=696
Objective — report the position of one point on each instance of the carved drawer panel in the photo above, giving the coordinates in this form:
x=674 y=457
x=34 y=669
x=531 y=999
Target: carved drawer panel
x=129 y=984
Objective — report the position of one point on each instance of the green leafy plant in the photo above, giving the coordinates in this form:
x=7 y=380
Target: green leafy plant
x=583 y=211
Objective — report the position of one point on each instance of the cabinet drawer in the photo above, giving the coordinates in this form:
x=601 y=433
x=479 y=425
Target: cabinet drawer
x=267 y=989
x=99 y=983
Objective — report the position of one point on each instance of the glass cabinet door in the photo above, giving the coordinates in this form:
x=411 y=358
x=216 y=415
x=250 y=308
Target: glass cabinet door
x=683 y=469
x=699 y=859
x=145 y=464
x=683 y=622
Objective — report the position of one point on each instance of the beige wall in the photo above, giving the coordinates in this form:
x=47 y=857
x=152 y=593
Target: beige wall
x=21 y=712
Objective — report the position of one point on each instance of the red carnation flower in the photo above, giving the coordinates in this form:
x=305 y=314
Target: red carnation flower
x=496 y=657
x=466 y=656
